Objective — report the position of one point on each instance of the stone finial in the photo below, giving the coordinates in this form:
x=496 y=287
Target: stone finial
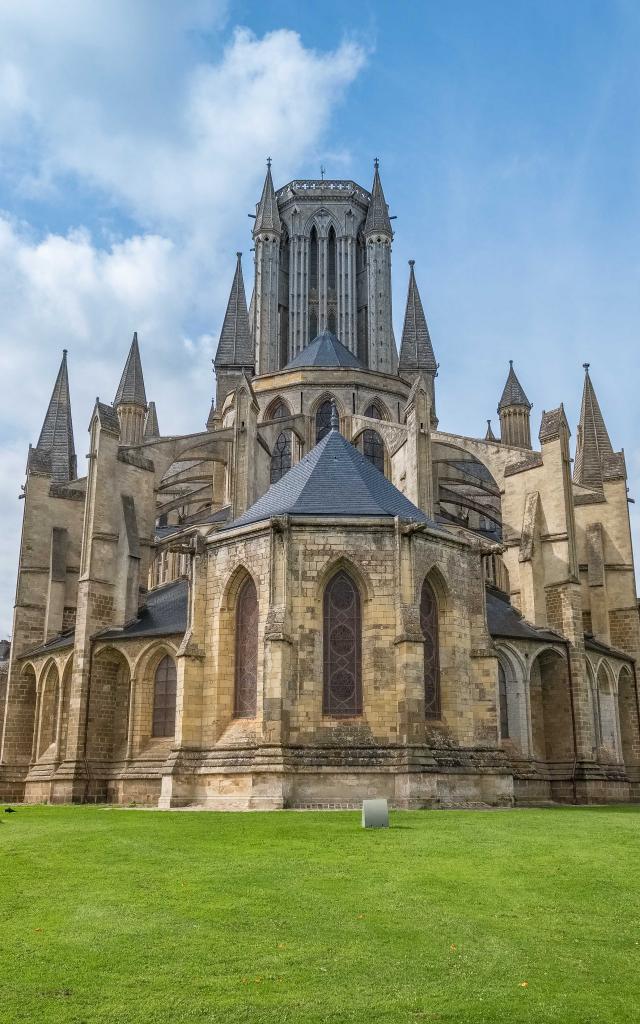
x=335 y=419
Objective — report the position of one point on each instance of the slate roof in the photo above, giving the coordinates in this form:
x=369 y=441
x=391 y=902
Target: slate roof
x=332 y=480
x=56 y=436
x=164 y=613
x=325 y=350
x=378 y=213
x=234 y=346
x=506 y=621
x=131 y=387
x=151 y=428
x=267 y=213
x=513 y=393
x=593 y=445
x=416 y=350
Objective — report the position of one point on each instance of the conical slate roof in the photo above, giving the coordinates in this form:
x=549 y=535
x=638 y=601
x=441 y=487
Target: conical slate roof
x=490 y=436
x=151 y=428
x=378 y=213
x=333 y=480
x=513 y=393
x=234 y=346
x=416 y=350
x=131 y=387
x=56 y=436
x=267 y=214
x=325 y=350
x=593 y=439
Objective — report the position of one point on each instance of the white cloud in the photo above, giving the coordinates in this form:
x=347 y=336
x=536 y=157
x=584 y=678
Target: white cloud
x=110 y=97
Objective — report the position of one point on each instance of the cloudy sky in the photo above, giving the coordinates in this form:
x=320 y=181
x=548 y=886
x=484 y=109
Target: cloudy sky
x=134 y=138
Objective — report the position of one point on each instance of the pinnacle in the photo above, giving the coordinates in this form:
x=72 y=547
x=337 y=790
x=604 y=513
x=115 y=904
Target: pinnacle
x=490 y=436
x=416 y=350
x=513 y=393
x=378 y=212
x=151 y=428
x=56 y=436
x=234 y=346
x=131 y=387
x=593 y=439
x=267 y=214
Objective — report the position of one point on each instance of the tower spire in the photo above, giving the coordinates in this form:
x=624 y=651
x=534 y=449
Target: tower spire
x=382 y=354
x=56 y=436
x=267 y=213
x=131 y=399
x=416 y=350
x=593 y=444
x=514 y=409
x=377 y=221
x=235 y=351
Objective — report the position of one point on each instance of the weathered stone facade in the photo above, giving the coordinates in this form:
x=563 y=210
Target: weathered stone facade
x=175 y=641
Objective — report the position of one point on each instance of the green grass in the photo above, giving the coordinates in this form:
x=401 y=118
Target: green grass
x=138 y=916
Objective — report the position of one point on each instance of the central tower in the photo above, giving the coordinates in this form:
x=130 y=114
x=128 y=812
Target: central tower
x=322 y=262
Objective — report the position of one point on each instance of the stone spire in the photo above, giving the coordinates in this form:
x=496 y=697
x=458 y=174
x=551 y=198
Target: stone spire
x=234 y=346
x=151 y=428
x=131 y=400
x=593 y=444
x=56 y=437
x=514 y=409
x=490 y=436
x=267 y=213
x=416 y=350
x=377 y=221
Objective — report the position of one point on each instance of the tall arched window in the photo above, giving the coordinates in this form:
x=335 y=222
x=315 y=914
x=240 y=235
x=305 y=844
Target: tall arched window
x=281 y=454
x=370 y=442
x=331 y=260
x=323 y=419
x=502 y=697
x=342 y=661
x=164 y=698
x=331 y=321
x=429 y=627
x=313 y=259
x=246 y=681
x=313 y=325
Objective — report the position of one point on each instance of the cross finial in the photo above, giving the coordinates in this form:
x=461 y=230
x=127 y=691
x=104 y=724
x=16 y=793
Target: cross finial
x=269 y=163
x=322 y=172
x=376 y=162
x=585 y=367
x=239 y=256
x=511 y=363
x=412 y=263
x=335 y=421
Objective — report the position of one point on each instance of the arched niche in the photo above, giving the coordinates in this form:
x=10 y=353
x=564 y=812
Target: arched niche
x=109 y=701
x=550 y=701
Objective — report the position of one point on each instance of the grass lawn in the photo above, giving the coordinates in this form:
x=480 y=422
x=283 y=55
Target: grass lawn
x=141 y=916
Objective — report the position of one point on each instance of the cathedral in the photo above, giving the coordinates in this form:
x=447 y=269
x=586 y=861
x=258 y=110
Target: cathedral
x=321 y=596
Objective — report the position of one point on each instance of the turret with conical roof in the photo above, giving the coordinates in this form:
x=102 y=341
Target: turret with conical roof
x=378 y=237
x=514 y=409
x=235 y=354
x=55 y=449
x=131 y=399
x=595 y=459
x=266 y=234
x=416 y=350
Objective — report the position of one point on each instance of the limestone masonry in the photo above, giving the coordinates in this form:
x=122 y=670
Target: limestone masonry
x=321 y=597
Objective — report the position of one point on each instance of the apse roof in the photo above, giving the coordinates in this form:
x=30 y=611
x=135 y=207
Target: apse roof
x=325 y=350
x=333 y=480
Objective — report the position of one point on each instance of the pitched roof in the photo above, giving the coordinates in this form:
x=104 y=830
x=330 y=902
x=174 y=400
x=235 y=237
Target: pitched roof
x=505 y=620
x=332 y=480
x=234 y=346
x=325 y=350
x=513 y=393
x=416 y=350
x=593 y=445
x=151 y=428
x=164 y=613
x=267 y=213
x=56 y=436
x=378 y=212
x=131 y=387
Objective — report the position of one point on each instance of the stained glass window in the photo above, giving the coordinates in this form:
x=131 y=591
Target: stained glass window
x=342 y=693
x=246 y=681
x=281 y=454
x=323 y=420
x=164 y=698
x=429 y=626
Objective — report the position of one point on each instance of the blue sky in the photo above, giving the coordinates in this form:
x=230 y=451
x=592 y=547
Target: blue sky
x=134 y=140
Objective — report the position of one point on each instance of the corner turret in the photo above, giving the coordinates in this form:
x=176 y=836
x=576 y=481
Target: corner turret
x=514 y=410
x=131 y=401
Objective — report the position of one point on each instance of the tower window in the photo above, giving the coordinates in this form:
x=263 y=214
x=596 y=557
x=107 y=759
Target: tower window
x=342 y=660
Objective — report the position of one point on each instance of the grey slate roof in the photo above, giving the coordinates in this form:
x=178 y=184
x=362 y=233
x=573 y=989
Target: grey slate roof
x=333 y=480
x=164 y=613
x=267 y=213
x=234 y=346
x=378 y=213
x=131 y=387
x=151 y=428
x=593 y=446
x=513 y=393
x=325 y=350
x=416 y=350
x=56 y=437
x=504 y=620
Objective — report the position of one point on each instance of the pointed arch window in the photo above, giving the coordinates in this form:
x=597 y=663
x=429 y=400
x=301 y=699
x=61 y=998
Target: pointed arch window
x=246 y=667
x=372 y=447
x=313 y=259
x=281 y=454
x=342 y=650
x=331 y=262
x=323 y=419
x=164 y=698
x=313 y=325
x=429 y=627
x=503 y=702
